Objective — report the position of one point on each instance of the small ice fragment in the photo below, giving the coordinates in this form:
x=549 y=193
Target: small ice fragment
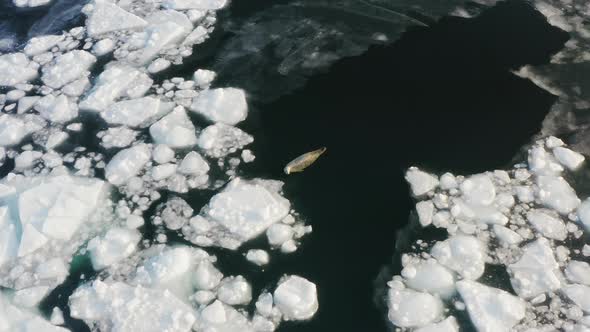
x=134 y=221
x=115 y=245
x=548 y=225
x=193 y=164
x=409 y=308
x=421 y=182
x=158 y=65
x=580 y=295
x=67 y=68
x=557 y=194
x=296 y=298
x=163 y=171
x=58 y=109
x=16 y=68
x=258 y=256
x=175 y=130
x=57 y=316
x=106 y=17
x=127 y=164
x=162 y=154
x=491 y=309
x=278 y=234
x=226 y=105
x=203 y=77
x=234 y=291
x=536 y=272
x=463 y=254
x=103 y=46
x=578 y=272
x=134 y=112
x=248 y=156
x=425 y=210
x=507 y=236
x=430 y=277
x=568 y=158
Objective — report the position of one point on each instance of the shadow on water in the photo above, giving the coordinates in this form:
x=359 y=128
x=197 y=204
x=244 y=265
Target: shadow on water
x=442 y=97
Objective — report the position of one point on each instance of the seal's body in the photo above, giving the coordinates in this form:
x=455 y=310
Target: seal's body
x=302 y=162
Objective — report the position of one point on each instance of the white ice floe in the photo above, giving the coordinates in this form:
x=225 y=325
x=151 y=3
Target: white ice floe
x=429 y=276
x=296 y=298
x=17 y=319
x=463 y=254
x=41 y=44
x=578 y=272
x=536 y=272
x=116 y=81
x=204 y=77
x=67 y=68
x=118 y=306
x=194 y=4
x=533 y=235
x=491 y=309
x=175 y=130
x=568 y=158
x=234 y=291
x=258 y=256
x=242 y=211
x=219 y=140
x=226 y=105
x=115 y=245
x=193 y=164
x=127 y=164
x=420 y=182
x=105 y=16
x=410 y=308
x=135 y=112
x=58 y=109
x=448 y=325
x=16 y=68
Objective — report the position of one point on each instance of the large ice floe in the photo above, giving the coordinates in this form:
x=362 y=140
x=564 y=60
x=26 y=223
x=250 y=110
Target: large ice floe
x=91 y=139
x=527 y=221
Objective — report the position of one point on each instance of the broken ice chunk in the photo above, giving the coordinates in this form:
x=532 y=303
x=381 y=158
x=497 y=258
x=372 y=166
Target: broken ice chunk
x=219 y=140
x=226 y=105
x=203 y=77
x=194 y=4
x=105 y=16
x=111 y=84
x=425 y=210
x=135 y=112
x=278 y=234
x=507 y=236
x=40 y=44
x=421 y=182
x=536 y=272
x=430 y=277
x=30 y=297
x=115 y=245
x=162 y=154
x=258 y=256
x=16 y=68
x=568 y=158
x=548 y=225
x=478 y=190
x=296 y=298
x=557 y=194
x=448 y=325
x=246 y=209
x=175 y=130
x=26 y=103
x=583 y=211
x=163 y=171
x=12 y=130
x=165 y=28
x=57 y=109
x=193 y=164
x=463 y=254
x=67 y=68
x=491 y=309
x=223 y=318
x=580 y=295
x=409 y=308
x=578 y=272
x=127 y=164
x=127 y=308
x=207 y=276
x=234 y=291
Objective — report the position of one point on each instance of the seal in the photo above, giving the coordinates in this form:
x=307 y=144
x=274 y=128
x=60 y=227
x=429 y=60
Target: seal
x=302 y=162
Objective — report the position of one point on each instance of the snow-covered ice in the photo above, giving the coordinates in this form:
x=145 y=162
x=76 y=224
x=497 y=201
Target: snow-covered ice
x=115 y=245
x=175 y=130
x=67 y=68
x=296 y=298
x=16 y=68
x=127 y=164
x=226 y=105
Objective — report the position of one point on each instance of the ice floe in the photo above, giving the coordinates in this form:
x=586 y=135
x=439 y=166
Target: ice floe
x=527 y=220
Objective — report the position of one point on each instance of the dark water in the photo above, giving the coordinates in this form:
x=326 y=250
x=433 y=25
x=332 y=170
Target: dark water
x=441 y=97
